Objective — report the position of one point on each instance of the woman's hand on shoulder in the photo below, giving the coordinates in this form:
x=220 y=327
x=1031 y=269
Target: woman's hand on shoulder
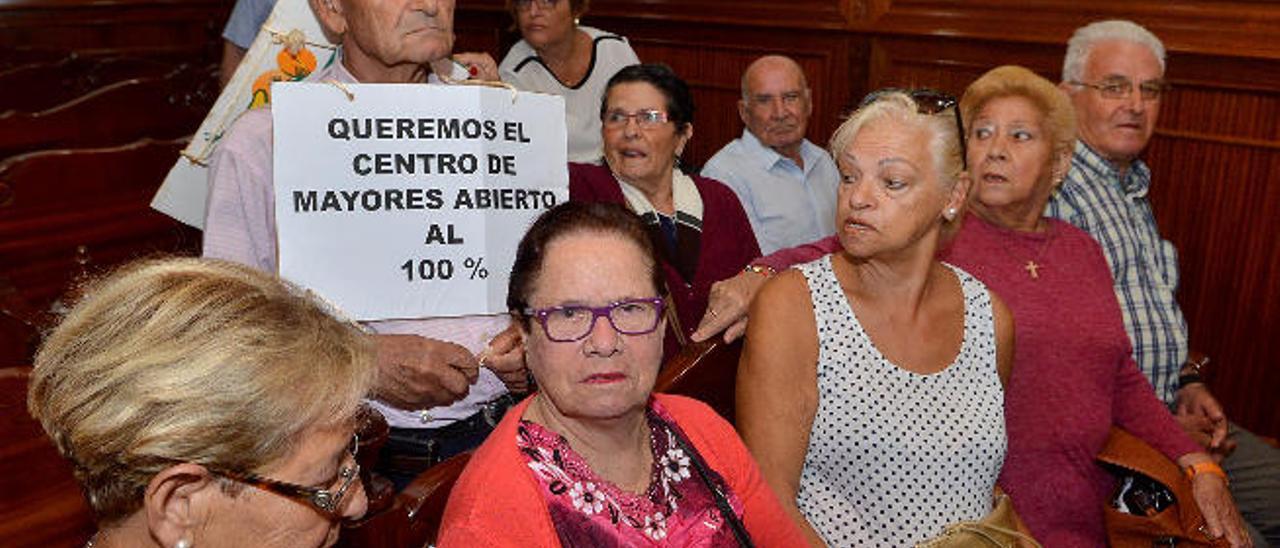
x=727 y=305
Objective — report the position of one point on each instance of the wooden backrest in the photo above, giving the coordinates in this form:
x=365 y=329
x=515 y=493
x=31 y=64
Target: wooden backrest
x=115 y=114
x=42 y=504
x=11 y=58
x=67 y=213
x=705 y=371
x=42 y=86
x=20 y=325
x=414 y=518
x=70 y=181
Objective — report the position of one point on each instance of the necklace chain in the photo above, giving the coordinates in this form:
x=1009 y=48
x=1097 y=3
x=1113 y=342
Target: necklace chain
x=1033 y=265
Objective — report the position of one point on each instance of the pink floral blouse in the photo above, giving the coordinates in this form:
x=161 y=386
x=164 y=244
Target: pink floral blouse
x=677 y=510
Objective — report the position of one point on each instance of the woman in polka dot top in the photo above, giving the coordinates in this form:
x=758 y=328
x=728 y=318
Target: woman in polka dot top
x=871 y=384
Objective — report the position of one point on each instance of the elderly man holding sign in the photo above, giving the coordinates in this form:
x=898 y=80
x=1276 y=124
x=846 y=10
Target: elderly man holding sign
x=442 y=382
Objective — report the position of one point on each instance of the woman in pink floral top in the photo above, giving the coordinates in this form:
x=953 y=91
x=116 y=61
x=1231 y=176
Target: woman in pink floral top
x=594 y=458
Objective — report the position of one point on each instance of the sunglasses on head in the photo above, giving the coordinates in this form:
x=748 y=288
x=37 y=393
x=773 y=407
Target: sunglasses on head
x=928 y=101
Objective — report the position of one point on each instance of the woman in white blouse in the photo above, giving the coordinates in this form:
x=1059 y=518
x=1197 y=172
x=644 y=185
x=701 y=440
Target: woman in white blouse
x=558 y=56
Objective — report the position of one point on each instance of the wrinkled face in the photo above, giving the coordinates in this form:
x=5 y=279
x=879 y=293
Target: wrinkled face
x=607 y=374
x=777 y=107
x=545 y=22
x=254 y=517
x=889 y=195
x=641 y=155
x=392 y=33
x=1011 y=153
x=1118 y=129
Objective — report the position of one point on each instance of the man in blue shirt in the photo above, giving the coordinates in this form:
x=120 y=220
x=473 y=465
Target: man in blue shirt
x=1114 y=74
x=787 y=184
x=243 y=24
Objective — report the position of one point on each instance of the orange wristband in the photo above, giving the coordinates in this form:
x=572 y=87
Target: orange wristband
x=1206 y=467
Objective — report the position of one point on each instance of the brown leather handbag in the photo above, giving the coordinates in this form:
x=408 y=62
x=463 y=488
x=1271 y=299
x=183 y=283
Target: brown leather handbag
x=1179 y=524
x=998 y=529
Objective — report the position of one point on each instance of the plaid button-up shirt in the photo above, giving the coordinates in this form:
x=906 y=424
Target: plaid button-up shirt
x=1114 y=209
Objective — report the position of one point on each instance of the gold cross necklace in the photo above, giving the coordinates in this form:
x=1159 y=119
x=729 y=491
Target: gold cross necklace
x=1033 y=265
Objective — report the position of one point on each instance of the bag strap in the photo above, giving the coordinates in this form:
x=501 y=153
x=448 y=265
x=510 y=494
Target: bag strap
x=985 y=531
x=673 y=315
x=722 y=503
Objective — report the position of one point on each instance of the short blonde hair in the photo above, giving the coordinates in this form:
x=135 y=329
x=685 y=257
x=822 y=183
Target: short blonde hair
x=190 y=360
x=1016 y=81
x=948 y=157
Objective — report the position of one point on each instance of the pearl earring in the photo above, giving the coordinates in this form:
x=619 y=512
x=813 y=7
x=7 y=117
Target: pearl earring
x=950 y=214
x=182 y=543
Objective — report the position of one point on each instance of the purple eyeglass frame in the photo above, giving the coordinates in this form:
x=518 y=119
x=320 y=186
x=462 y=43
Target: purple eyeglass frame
x=598 y=312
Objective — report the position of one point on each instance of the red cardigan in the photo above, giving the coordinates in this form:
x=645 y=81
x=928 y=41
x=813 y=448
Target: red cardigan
x=728 y=243
x=498 y=502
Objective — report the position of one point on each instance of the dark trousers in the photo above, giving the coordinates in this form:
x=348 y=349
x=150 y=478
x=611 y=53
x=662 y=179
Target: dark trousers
x=410 y=451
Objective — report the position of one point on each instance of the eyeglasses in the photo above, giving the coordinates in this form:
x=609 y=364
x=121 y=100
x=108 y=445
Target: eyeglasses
x=324 y=501
x=524 y=5
x=1122 y=88
x=574 y=323
x=647 y=119
x=930 y=102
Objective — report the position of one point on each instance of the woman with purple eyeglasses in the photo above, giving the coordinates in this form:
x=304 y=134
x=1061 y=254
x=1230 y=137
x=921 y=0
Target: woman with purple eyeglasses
x=594 y=458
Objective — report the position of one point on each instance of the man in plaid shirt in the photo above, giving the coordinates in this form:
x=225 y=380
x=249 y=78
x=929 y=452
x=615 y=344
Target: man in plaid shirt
x=1113 y=73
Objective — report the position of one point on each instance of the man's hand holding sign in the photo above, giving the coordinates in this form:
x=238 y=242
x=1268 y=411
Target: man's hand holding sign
x=406 y=201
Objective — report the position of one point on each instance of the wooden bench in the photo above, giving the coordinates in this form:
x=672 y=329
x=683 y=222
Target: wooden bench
x=705 y=371
x=68 y=213
x=43 y=504
x=120 y=113
x=42 y=86
x=414 y=517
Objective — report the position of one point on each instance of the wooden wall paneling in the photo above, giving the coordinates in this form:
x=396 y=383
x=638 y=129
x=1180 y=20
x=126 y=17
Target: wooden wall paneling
x=802 y=14
x=1218 y=202
x=712 y=59
x=482 y=31
x=951 y=64
x=1215 y=162
x=1235 y=29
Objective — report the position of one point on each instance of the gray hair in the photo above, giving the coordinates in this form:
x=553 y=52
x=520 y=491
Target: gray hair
x=1082 y=42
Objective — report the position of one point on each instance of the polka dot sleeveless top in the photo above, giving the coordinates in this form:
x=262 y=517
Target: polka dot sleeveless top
x=895 y=456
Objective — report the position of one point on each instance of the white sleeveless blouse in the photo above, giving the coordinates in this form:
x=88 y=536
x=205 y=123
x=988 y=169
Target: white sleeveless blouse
x=895 y=456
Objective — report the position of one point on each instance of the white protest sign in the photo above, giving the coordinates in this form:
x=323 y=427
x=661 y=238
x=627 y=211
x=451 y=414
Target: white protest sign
x=408 y=200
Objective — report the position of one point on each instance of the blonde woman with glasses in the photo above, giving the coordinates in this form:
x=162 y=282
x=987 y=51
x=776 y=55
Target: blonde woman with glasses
x=203 y=403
